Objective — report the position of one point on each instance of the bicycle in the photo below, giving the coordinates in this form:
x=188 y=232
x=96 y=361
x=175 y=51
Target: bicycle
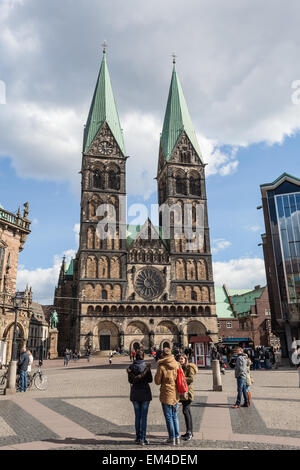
x=39 y=379
x=3 y=379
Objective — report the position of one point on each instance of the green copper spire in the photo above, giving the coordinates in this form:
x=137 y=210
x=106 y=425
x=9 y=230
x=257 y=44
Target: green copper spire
x=103 y=109
x=177 y=119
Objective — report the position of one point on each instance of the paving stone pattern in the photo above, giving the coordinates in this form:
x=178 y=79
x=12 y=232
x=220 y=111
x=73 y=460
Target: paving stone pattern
x=25 y=427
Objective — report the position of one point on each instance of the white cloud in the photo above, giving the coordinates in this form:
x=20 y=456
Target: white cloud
x=238 y=92
x=43 y=280
x=244 y=273
x=46 y=145
x=76 y=230
x=217 y=161
x=220 y=244
x=142 y=133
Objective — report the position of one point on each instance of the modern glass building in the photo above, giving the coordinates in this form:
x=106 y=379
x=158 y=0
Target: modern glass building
x=281 y=244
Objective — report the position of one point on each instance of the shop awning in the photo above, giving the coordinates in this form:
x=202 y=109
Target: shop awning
x=234 y=340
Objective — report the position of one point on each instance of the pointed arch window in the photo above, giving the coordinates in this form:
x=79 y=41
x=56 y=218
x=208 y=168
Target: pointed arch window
x=195 y=188
x=98 y=179
x=114 y=178
x=181 y=185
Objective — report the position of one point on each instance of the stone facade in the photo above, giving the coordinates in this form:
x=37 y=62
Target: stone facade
x=13 y=233
x=148 y=289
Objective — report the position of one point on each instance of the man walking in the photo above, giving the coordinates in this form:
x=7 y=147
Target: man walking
x=241 y=375
x=23 y=365
x=166 y=376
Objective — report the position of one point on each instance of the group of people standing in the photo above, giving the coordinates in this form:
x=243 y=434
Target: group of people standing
x=69 y=354
x=140 y=375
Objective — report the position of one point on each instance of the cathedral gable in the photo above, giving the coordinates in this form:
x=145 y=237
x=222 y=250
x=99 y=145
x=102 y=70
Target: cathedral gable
x=148 y=246
x=104 y=144
x=184 y=151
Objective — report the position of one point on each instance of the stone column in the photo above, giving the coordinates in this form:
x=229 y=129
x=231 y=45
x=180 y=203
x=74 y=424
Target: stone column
x=217 y=382
x=53 y=336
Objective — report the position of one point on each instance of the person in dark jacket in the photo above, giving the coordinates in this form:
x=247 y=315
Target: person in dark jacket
x=139 y=376
x=22 y=367
x=189 y=370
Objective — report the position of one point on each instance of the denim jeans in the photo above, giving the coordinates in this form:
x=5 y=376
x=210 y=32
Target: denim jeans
x=141 y=413
x=256 y=364
x=241 y=389
x=23 y=377
x=267 y=364
x=170 y=412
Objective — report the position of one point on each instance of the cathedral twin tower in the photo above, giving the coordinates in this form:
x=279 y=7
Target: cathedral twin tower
x=140 y=286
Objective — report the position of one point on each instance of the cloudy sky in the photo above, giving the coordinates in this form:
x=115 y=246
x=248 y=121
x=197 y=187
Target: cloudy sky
x=237 y=62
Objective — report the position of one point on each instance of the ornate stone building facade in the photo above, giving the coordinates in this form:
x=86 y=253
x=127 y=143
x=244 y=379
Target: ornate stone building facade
x=13 y=233
x=140 y=286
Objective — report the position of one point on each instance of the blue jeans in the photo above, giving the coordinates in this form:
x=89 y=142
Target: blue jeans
x=256 y=364
x=23 y=377
x=141 y=413
x=171 y=418
x=267 y=364
x=241 y=389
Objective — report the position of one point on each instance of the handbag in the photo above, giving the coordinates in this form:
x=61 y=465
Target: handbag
x=181 y=383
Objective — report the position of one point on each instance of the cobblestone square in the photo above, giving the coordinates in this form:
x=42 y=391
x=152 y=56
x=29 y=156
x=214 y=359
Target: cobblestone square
x=86 y=406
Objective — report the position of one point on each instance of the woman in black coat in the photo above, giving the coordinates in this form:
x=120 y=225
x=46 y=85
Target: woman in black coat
x=139 y=376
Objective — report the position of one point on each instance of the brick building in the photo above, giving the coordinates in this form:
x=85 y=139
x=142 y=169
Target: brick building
x=14 y=229
x=138 y=287
x=244 y=316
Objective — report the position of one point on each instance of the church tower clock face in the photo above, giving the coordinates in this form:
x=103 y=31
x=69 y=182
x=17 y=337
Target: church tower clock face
x=149 y=283
x=105 y=148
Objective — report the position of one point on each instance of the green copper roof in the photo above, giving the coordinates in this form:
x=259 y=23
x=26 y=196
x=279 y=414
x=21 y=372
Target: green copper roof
x=242 y=300
x=177 y=119
x=103 y=109
x=280 y=178
x=242 y=303
x=70 y=269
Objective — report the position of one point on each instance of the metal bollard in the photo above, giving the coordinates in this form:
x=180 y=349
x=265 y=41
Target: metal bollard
x=217 y=381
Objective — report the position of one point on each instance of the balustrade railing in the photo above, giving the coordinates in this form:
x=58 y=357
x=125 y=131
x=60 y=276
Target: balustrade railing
x=14 y=219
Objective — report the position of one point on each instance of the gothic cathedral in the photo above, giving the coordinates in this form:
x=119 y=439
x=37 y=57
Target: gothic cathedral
x=139 y=286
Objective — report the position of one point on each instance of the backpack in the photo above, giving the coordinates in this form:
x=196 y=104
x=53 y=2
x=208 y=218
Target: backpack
x=181 y=383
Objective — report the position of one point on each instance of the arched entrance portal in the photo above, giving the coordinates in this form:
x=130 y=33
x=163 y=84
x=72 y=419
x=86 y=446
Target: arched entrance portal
x=136 y=346
x=108 y=336
x=166 y=344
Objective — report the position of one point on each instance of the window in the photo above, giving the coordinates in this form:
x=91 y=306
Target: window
x=267 y=312
x=195 y=186
x=113 y=179
x=180 y=185
x=104 y=295
x=2 y=254
x=219 y=324
x=98 y=180
x=228 y=324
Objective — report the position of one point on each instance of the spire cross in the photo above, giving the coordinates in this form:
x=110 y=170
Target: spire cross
x=104 y=45
x=174 y=57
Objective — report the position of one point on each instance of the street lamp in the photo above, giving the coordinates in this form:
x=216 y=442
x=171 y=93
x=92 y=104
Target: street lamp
x=12 y=368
